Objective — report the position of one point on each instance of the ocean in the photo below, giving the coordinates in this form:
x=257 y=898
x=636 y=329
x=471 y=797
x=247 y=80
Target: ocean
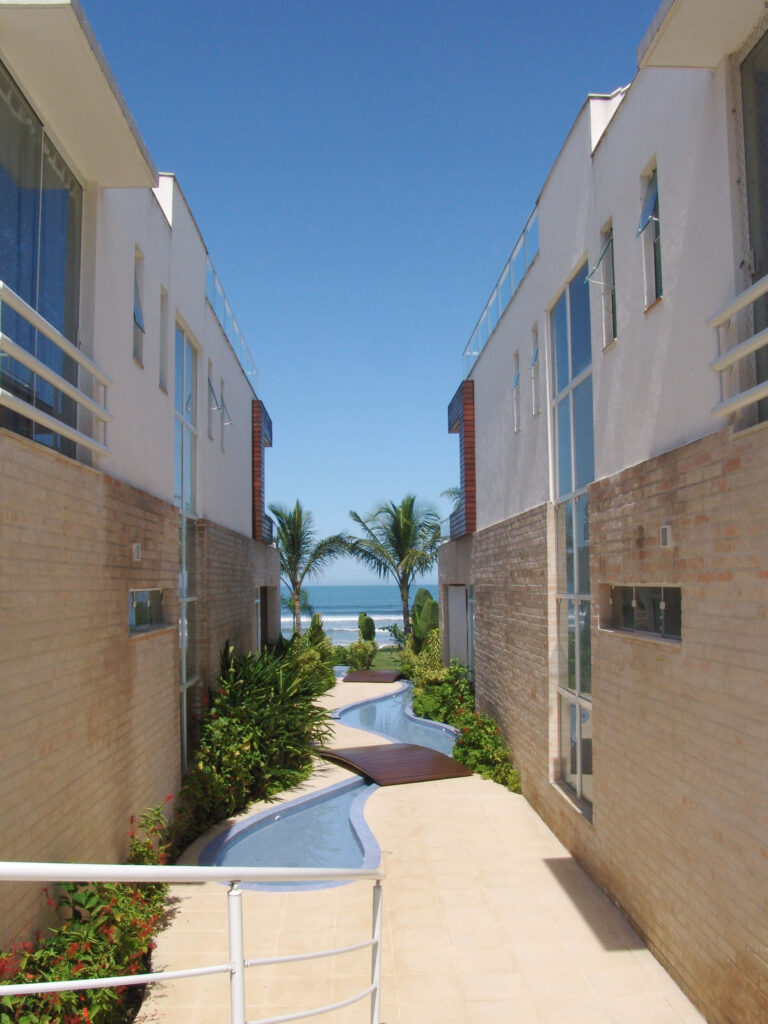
x=340 y=607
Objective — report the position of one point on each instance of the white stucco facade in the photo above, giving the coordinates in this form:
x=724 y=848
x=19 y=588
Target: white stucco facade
x=607 y=563
x=653 y=388
x=159 y=224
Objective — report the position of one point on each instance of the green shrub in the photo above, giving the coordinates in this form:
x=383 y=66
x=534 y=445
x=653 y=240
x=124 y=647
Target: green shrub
x=361 y=653
x=480 y=747
x=445 y=700
x=258 y=732
x=425 y=617
x=426 y=665
x=366 y=626
x=397 y=635
x=103 y=930
x=340 y=654
x=479 y=744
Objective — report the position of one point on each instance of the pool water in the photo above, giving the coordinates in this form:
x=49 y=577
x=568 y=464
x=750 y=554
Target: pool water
x=391 y=716
x=326 y=828
x=323 y=829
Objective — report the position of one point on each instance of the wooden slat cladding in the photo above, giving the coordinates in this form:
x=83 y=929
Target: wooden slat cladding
x=461 y=421
x=261 y=438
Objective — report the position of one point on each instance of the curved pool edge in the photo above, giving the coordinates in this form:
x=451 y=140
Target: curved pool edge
x=409 y=713
x=370 y=848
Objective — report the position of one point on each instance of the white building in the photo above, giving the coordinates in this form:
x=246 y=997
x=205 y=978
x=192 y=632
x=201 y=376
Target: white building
x=607 y=571
x=133 y=537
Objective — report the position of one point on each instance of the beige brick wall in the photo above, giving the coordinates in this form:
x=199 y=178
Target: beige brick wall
x=679 y=836
x=509 y=571
x=232 y=570
x=681 y=730
x=90 y=715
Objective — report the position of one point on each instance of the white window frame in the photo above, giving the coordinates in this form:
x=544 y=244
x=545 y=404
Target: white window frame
x=139 y=329
x=534 y=368
x=163 y=346
x=516 y=393
x=649 y=232
x=603 y=274
x=580 y=698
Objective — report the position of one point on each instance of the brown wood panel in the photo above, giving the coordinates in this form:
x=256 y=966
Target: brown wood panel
x=373 y=675
x=393 y=764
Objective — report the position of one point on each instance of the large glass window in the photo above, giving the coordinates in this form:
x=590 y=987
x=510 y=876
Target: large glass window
x=754 y=90
x=40 y=222
x=184 y=488
x=575 y=460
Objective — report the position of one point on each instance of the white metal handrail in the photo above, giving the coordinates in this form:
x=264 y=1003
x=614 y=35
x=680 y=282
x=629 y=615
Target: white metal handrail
x=724 y=361
x=16 y=871
x=16 y=352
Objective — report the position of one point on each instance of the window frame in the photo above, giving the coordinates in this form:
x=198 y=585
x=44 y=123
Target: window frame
x=649 y=232
x=153 y=609
x=139 y=328
x=604 y=274
x=613 y=608
x=515 y=388
x=571 y=503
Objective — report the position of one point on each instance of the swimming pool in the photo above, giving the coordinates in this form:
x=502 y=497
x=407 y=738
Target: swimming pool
x=322 y=829
x=326 y=828
x=391 y=716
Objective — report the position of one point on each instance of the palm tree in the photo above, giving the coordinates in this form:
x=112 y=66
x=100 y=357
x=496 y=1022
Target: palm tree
x=399 y=541
x=301 y=555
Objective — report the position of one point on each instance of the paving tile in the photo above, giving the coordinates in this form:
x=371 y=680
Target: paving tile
x=487 y=920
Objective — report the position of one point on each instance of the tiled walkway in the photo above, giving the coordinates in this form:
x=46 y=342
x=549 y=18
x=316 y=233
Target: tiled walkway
x=487 y=920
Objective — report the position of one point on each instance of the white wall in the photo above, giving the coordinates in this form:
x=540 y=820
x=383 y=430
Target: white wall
x=653 y=389
x=141 y=434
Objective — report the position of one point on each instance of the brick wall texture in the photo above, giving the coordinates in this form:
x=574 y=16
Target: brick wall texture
x=679 y=831
x=233 y=571
x=90 y=714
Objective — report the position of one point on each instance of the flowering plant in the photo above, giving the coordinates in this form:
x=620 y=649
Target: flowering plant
x=103 y=930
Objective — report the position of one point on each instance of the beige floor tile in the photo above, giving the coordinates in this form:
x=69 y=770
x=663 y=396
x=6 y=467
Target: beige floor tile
x=506 y=985
x=502 y=1011
x=573 y=1010
x=487 y=920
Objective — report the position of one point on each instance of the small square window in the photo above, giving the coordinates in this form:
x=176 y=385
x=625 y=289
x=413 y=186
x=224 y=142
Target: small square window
x=655 y=610
x=145 y=610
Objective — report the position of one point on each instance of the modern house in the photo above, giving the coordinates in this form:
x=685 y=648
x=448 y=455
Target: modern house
x=607 y=572
x=133 y=540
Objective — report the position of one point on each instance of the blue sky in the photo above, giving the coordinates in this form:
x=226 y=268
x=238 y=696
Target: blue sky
x=360 y=172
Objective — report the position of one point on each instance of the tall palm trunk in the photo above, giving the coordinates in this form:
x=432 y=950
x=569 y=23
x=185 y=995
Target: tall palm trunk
x=406 y=613
x=296 y=612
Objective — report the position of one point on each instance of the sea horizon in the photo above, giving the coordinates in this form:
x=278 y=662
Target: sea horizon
x=340 y=604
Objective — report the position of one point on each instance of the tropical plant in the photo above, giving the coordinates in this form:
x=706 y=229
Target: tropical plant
x=397 y=635
x=361 y=653
x=449 y=698
x=258 y=732
x=366 y=626
x=103 y=929
x=425 y=616
x=301 y=554
x=454 y=495
x=399 y=541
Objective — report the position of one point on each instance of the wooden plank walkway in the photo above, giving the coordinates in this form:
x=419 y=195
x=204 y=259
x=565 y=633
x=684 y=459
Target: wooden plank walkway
x=394 y=764
x=372 y=675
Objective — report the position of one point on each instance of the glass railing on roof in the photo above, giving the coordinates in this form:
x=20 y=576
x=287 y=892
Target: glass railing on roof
x=513 y=273
x=217 y=298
